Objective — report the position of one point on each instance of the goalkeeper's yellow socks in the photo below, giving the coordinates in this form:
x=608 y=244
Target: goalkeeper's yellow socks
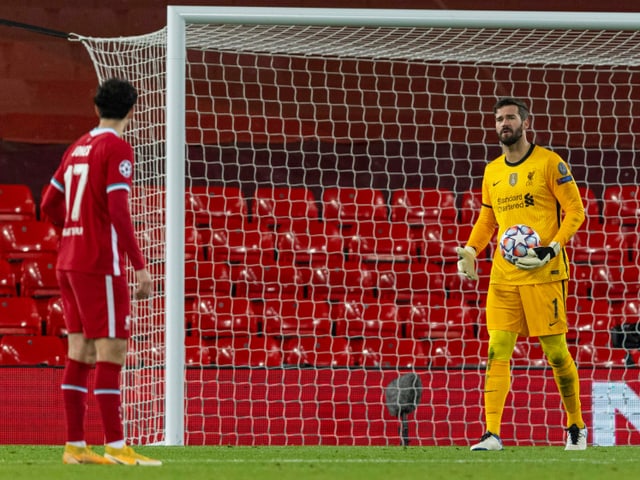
x=568 y=382
x=496 y=388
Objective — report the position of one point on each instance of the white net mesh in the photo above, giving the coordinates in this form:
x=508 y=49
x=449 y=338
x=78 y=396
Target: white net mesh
x=331 y=171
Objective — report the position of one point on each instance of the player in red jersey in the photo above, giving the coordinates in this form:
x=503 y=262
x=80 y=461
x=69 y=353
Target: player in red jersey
x=88 y=198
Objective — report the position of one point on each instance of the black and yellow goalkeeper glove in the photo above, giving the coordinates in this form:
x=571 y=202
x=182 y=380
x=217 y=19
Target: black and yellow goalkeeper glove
x=537 y=257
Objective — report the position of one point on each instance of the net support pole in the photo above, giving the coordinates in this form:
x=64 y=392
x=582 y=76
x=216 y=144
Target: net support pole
x=175 y=215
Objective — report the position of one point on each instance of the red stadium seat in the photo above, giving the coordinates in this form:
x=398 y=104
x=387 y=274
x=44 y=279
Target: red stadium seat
x=222 y=206
x=590 y=327
x=606 y=245
x=26 y=239
x=527 y=353
x=594 y=356
x=621 y=205
x=254 y=351
x=207 y=277
x=217 y=316
x=314 y=243
x=7 y=280
x=278 y=207
x=267 y=280
x=597 y=282
x=607 y=283
x=402 y=282
x=148 y=206
x=38 y=280
x=630 y=278
x=423 y=206
x=471 y=202
x=365 y=318
x=38 y=277
x=318 y=351
x=592 y=209
x=380 y=241
x=246 y=245
x=54 y=321
x=32 y=350
x=345 y=206
x=336 y=281
x=296 y=317
x=391 y=353
x=196 y=353
x=446 y=353
x=19 y=316
x=16 y=203
x=439 y=242
x=153 y=243
x=627 y=311
x=448 y=319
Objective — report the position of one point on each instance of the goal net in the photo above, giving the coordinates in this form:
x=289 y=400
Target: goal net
x=302 y=179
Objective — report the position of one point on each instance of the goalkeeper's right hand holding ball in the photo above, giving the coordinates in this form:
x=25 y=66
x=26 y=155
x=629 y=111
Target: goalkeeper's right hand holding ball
x=467 y=262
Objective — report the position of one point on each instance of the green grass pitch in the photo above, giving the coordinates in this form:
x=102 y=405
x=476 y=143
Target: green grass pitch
x=296 y=463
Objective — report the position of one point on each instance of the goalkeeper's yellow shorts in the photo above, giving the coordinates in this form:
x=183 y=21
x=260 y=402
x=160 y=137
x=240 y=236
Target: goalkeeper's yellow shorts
x=528 y=310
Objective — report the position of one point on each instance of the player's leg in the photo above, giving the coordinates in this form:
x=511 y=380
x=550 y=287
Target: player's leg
x=111 y=358
x=81 y=356
x=549 y=324
x=498 y=377
x=110 y=310
x=565 y=374
x=504 y=319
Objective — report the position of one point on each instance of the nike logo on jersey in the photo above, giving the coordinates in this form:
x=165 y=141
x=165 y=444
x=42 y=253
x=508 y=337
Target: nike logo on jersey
x=553 y=323
x=495 y=183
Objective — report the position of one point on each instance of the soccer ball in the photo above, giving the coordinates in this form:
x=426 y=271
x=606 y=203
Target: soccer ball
x=516 y=240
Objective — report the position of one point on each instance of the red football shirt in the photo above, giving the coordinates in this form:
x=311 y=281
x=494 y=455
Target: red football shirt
x=95 y=178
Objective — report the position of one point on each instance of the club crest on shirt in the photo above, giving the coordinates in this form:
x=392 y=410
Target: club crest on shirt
x=125 y=168
x=513 y=179
x=530 y=176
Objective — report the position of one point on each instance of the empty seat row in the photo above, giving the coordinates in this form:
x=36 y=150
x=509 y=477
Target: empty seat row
x=369 y=241
x=329 y=351
x=32 y=350
x=271 y=207
x=209 y=316
x=216 y=205
x=218 y=316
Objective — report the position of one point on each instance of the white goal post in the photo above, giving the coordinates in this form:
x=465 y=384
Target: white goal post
x=432 y=77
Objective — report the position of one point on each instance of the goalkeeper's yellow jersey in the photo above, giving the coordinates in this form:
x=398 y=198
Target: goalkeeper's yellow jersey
x=539 y=191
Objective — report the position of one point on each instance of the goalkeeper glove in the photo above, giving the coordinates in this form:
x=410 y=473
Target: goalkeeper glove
x=537 y=257
x=467 y=262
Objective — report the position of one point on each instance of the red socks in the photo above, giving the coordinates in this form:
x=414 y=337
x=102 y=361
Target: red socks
x=107 y=392
x=74 y=394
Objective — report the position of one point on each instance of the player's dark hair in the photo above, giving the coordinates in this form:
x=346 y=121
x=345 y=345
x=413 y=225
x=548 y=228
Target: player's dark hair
x=114 y=98
x=523 y=109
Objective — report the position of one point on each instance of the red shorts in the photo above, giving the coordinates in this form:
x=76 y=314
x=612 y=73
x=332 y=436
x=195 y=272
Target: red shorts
x=98 y=306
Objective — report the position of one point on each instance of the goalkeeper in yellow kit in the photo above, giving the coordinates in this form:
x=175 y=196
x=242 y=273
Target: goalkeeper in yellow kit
x=530 y=185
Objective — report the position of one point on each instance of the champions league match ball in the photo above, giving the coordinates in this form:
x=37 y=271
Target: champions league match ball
x=516 y=240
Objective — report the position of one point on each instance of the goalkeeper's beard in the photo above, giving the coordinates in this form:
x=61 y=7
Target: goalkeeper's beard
x=510 y=140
